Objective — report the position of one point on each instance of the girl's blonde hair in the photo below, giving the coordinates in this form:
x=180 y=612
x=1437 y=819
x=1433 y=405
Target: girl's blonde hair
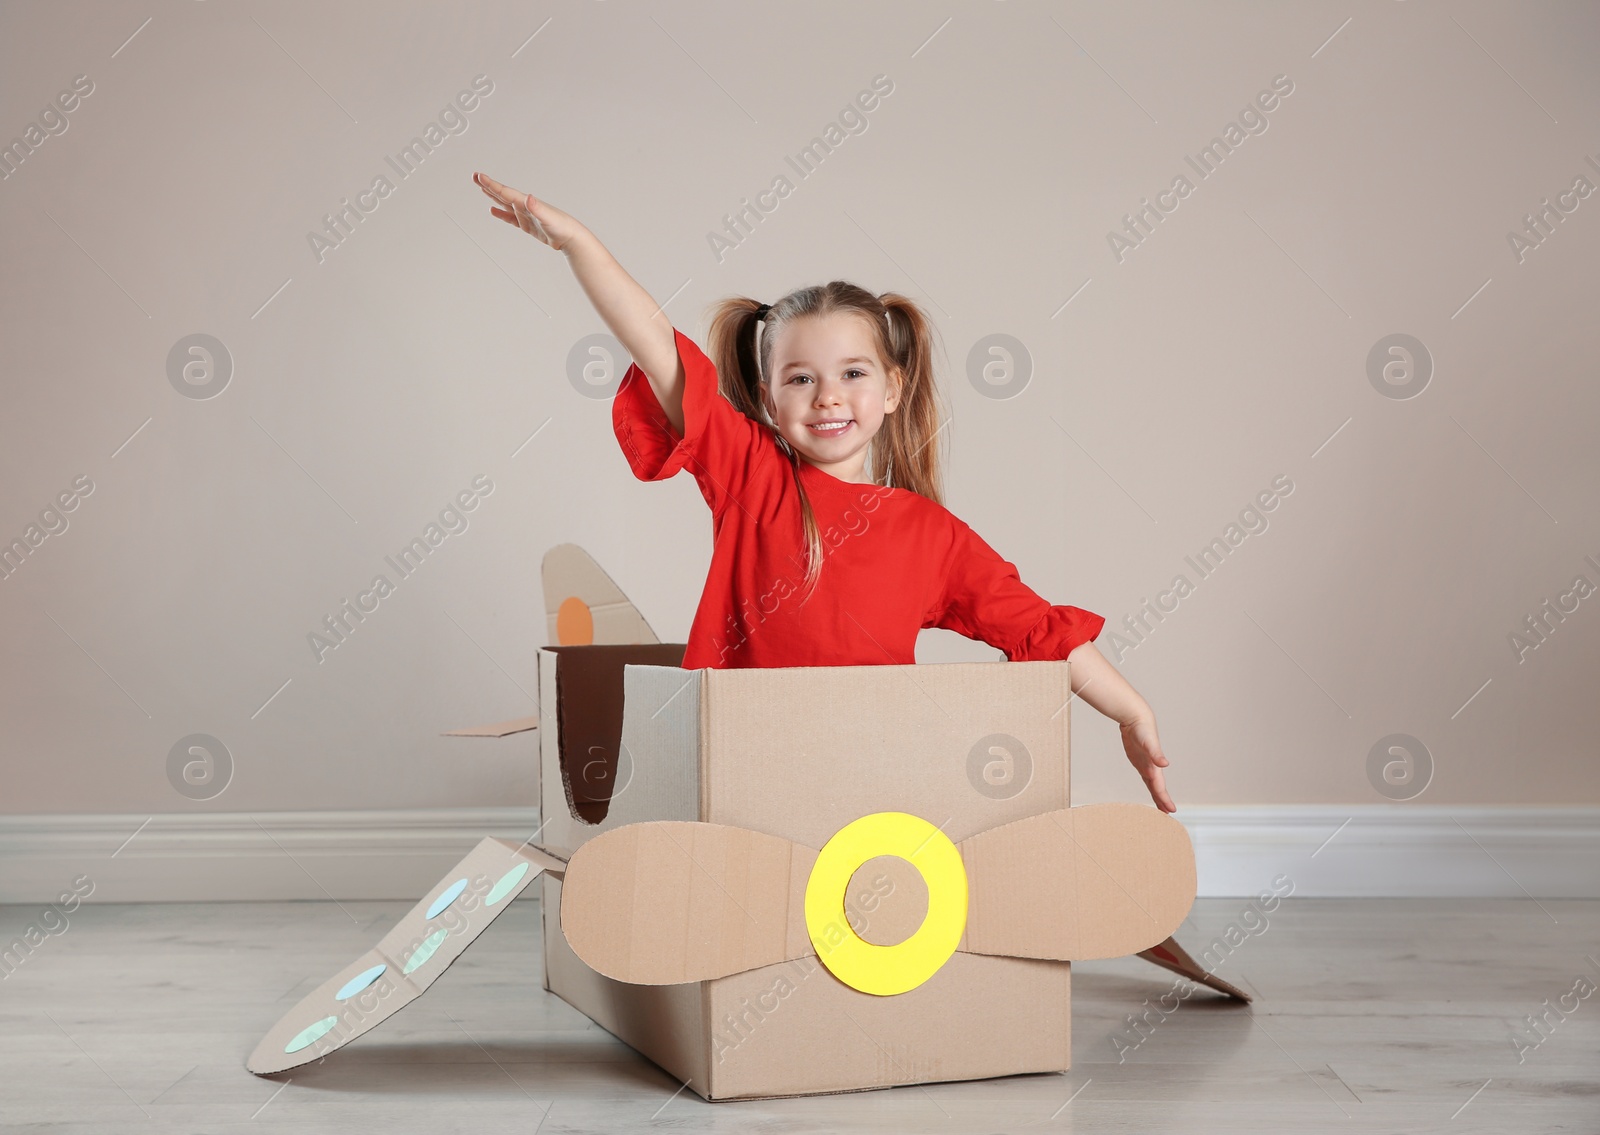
x=904 y=454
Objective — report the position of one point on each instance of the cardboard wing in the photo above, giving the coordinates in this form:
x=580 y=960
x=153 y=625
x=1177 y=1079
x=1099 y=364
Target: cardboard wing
x=408 y=959
x=666 y=902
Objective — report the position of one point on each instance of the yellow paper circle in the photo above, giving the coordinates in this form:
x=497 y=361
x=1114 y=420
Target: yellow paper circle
x=887 y=970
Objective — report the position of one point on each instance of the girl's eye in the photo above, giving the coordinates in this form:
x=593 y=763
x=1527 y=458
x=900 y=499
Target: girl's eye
x=853 y=370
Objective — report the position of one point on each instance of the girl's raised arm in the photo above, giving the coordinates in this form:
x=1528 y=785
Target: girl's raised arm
x=627 y=309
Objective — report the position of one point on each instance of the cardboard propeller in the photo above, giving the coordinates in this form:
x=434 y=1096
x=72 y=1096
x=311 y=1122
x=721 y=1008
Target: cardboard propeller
x=666 y=902
x=407 y=960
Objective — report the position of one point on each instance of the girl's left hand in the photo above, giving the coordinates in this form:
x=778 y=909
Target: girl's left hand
x=530 y=214
x=1144 y=753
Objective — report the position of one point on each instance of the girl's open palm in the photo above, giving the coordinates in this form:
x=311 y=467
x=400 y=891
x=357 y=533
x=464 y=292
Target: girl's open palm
x=1144 y=752
x=529 y=214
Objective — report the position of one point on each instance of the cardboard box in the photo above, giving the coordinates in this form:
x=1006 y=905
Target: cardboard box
x=799 y=753
x=698 y=822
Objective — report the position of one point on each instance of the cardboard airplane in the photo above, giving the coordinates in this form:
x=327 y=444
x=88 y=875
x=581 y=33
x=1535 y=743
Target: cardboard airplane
x=670 y=902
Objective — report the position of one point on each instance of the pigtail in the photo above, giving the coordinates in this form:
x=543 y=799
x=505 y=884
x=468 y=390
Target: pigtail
x=910 y=457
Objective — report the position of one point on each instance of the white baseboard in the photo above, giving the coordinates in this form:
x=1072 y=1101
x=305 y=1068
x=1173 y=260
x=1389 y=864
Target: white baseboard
x=1374 y=851
x=1397 y=850
x=249 y=856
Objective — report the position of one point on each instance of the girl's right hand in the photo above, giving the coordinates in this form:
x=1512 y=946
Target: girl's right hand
x=528 y=213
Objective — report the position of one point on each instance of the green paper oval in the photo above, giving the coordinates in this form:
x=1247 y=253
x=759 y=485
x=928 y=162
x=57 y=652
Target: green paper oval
x=310 y=1034
x=507 y=881
x=426 y=950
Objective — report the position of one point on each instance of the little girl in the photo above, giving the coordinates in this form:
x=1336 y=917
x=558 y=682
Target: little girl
x=775 y=427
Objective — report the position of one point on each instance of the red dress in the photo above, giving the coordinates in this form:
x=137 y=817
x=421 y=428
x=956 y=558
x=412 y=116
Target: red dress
x=893 y=562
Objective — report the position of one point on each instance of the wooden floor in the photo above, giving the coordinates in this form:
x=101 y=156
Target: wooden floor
x=1373 y=1015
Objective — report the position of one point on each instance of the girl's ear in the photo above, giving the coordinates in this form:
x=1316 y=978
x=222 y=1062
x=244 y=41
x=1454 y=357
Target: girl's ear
x=892 y=398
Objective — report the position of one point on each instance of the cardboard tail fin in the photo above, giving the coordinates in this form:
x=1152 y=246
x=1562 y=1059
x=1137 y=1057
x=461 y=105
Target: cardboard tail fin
x=408 y=959
x=583 y=605
x=1169 y=955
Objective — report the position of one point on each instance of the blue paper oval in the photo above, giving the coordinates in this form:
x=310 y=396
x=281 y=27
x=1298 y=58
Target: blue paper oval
x=359 y=982
x=446 y=897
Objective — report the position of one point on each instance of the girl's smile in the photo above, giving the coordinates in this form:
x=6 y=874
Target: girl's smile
x=831 y=427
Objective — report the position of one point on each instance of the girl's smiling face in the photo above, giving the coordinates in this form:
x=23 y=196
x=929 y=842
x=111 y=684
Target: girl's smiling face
x=827 y=391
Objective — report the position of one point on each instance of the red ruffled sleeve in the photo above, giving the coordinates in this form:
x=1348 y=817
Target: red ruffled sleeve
x=984 y=598
x=719 y=445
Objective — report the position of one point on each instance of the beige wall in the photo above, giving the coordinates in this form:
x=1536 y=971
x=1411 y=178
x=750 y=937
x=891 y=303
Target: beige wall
x=371 y=384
